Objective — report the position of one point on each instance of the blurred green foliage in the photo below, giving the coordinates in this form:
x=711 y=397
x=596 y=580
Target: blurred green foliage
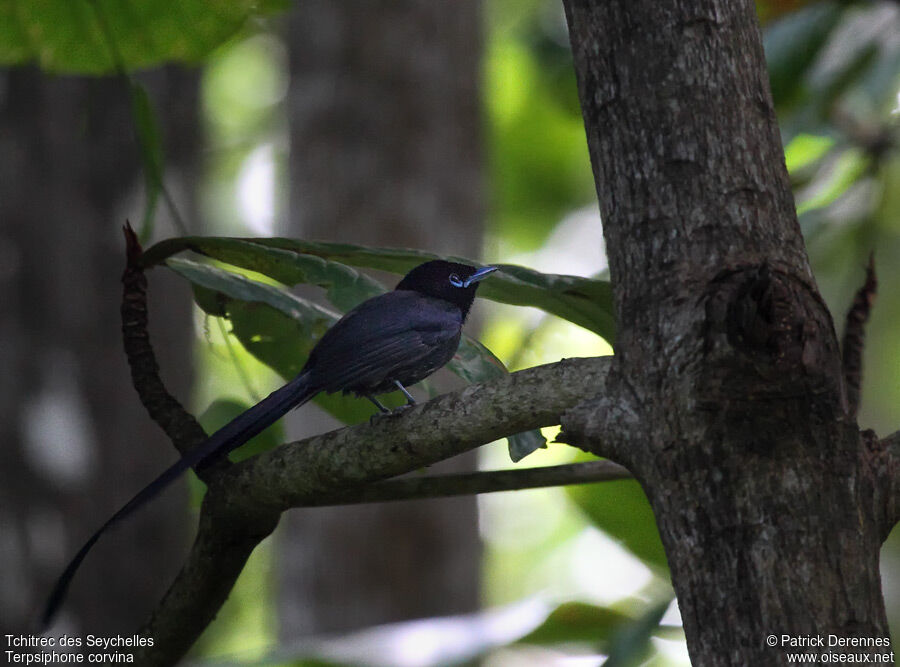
x=537 y=154
x=835 y=72
x=73 y=36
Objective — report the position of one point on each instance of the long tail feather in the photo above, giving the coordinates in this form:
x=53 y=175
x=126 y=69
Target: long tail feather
x=229 y=437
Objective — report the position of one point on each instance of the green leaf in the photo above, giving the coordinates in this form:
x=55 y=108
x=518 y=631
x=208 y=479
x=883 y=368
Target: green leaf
x=72 y=36
x=578 y=622
x=475 y=363
x=622 y=511
x=344 y=286
x=280 y=329
x=152 y=158
x=847 y=168
x=631 y=645
x=805 y=150
x=584 y=301
x=523 y=444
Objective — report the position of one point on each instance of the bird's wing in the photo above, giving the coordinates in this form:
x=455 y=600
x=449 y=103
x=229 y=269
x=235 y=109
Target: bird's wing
x=392 y=358
x=375 y=342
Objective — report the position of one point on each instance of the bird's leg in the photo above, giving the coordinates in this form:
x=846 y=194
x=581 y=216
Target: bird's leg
x=378 y=404
x=409 y=399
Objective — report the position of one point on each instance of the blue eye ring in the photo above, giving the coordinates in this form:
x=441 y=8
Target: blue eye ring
x=456 y=281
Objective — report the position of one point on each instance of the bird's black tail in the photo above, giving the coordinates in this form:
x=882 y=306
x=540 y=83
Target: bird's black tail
x=232 y=435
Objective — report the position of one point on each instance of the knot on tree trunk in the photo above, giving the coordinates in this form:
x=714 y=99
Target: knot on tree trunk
x=769 y=335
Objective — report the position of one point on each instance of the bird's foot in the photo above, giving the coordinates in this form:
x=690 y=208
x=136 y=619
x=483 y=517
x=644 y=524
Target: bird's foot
x=390 y=414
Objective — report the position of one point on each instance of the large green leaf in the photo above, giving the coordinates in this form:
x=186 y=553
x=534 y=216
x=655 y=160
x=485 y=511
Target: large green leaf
x=578 y=622
x=623 y=636
x=621 y=510
x=73 y=36
x=584 y=301
x=280 y=329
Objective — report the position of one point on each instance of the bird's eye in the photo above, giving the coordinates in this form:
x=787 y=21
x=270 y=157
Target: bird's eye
x=456 y=281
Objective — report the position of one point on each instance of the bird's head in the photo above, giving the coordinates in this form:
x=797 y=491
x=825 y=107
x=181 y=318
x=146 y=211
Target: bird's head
x=450 y=281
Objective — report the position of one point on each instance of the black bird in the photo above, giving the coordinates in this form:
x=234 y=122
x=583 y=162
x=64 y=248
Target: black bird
x=386 y=343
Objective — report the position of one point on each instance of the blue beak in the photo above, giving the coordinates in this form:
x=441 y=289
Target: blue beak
x=479 y=275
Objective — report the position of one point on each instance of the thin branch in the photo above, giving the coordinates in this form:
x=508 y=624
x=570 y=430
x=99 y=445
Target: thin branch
x=179 y=425
x=464 y=484
x=855 y=337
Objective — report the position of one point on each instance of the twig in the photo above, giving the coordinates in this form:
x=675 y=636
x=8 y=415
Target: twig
x=855 y=337
x=441 y=486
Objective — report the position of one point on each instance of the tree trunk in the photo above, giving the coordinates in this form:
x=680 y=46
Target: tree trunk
x=385 y=150
x=726 y=400
x=76 y=440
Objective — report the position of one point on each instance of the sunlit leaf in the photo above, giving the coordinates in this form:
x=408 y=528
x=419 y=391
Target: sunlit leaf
x=578 y=622
x=805 y=149
x=73 y=35
x=837 y=178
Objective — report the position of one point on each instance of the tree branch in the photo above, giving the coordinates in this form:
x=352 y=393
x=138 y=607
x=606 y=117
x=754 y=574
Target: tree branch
x=297 y=473
x=217 y=557
x=855 y=337
x=464 y=484
x=178 y=424
x=243 y=502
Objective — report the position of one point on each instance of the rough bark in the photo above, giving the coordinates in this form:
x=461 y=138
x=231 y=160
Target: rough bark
x=75 y=439
x=384 y=110
x=726 y=397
